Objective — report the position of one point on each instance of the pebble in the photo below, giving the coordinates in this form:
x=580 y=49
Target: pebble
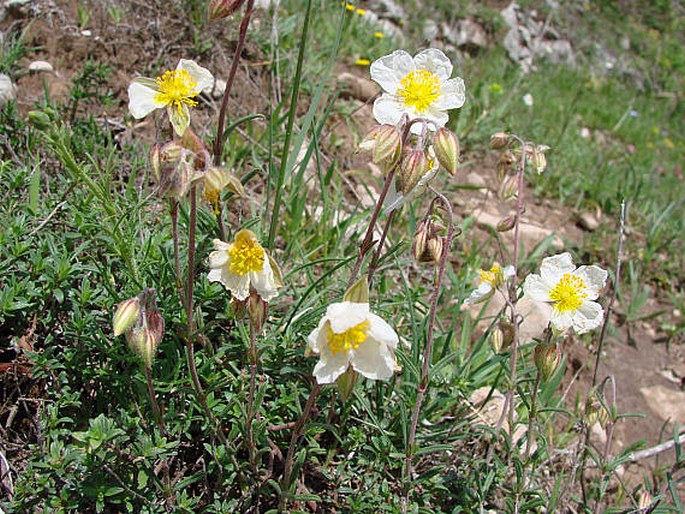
x=41 y=66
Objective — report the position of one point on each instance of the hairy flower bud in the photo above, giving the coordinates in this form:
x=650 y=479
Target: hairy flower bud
x=547 y=357
x=385 y=143
x=256 y=309
x=219 y=9
x=594 y=410
x=497 y=340
x=39 y=120
x=539 y=159
x=126 y=316
x=499 y=140
x=143 y=343
x=415 y=164
x=508 y=188
x=506 y=160
x=446 y=146
x=428 y=243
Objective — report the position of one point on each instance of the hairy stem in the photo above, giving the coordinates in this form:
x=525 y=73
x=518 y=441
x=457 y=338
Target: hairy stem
x=251 y=448
x=373 y=265
x=428 y=350
x=156 y=411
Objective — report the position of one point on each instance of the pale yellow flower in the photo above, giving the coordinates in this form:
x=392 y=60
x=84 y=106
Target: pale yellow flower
x=176 y=90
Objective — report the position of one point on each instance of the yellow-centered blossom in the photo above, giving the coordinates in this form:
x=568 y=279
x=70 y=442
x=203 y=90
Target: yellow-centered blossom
x=350 y=335
x=489 y=281
x=176 y=90
x=571 y=292
x=418 y=87
x=242 y=265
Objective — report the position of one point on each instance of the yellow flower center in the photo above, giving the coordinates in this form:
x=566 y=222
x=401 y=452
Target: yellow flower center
x=569 y=293
x=419 y=89
x=246 y=254
x=493 y=276
x=348 y=340
x=176 y=88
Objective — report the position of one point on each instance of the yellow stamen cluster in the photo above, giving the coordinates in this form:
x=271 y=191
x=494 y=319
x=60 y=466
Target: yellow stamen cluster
x=348 y=340
x=569 y=293
x=246 y=254
x=420 y=88
x=175 y=88
x=493 y=276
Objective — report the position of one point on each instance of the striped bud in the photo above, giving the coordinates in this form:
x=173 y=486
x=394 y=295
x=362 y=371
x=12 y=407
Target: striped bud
x=499 y=140
x=385 y=143
x=126 y=316
x=547 y=357
x=143 y=343
x=506 y=223
x=414 y=165
x=446 y=146
x=219 y=9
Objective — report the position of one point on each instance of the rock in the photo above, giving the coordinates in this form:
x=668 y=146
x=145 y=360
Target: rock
x=8 y=91
x=360 y=88
x=388 y=9
x=588 y=221
x=41 y=66
x=430 y=30
x=467 y=34
x=530 y=235
x=476 y=179
x=666 y=402
x=219 y=88
x=558 y=52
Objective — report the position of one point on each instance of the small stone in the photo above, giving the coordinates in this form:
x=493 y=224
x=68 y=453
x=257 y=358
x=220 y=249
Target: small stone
x=389 y=9
x=86 y=33
x=588 y=221
x=41 y=66
x=467 y=34
x=430 y=30
x=359 y=87
x=8 y=91
x=476 y=179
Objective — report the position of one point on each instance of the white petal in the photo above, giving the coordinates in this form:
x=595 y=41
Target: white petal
x=588 y=317
x=434 y=61
x=480 y=294
x=452 y=95
x=141 y=100
x=595 y=279
x=317 y=338
x=218 y=259
x=330 y=366
x=204 y=79
x=345 y=315
x=552 y=268
x=394 y=199
x=437 y=117
x=562 y=320
x=537 y=288
x=509 y=272
x=238 y=285
x=373 y=360
x=264 y=282
x=381 y=331
x=386 y=109
x=390 y=69
x=180 y=121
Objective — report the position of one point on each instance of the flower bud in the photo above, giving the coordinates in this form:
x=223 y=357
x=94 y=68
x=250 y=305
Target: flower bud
x=219 y=9
x=506 y=160
x=507 y=328
x=446 y=146
x=539 y=159
x=420 y=239
x=497 y=340
x=143 y=343
x=547 y=357
x=358 y=292
x=155 y=323
x=644 y=501
x=414 y=165
x=499 y=140
x=595 y=411
x=174 y=167
x=126 y=316
x=385 y=142
x=506 y=223
x=216 y=180
x=39 y=120
x=508 y=188
x=428 y=243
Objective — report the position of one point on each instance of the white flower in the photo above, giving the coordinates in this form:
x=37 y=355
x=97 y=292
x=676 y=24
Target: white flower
x=528 y=100
x=175 y=89
x=244 y=264
x=350 y=335
x=490 y=280
x=570 y=290
x=419 y=87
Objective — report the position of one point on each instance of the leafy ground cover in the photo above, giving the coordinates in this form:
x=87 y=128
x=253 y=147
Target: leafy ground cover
x=84 y=230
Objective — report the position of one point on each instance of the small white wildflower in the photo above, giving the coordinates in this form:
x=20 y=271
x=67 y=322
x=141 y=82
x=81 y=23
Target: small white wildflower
x=490 y=280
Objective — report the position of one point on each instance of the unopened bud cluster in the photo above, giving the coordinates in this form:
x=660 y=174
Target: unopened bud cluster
x=413 y=157
x=141 y=323
x=429 y=240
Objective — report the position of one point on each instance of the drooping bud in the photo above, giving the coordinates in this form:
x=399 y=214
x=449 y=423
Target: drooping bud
x=385 y=143
x=547 y=357
x=506 y=223
x=219 y=9
x=428 y=243
x=415 y=164
x=507 y=328
x=156 y=160
x=126 y=316
x=539 y=160
x=345 y=383
x=504 y=164
x=176 y=167
x=446 y=146
x=595 y=411
x=143 y=343
x=497 y=340
x=39 y=120
x=508 y=188
x=216 y=180
x=499 y=140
